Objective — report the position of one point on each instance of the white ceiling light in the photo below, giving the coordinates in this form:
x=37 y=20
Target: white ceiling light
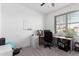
x=52 y=4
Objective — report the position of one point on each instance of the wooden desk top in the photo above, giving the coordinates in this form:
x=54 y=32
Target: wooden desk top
x=63 y=37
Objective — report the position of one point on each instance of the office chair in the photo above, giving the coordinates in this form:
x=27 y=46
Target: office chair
x=48 y=38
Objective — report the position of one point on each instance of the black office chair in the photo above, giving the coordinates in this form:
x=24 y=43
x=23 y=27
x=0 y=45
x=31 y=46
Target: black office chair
x=48 y=38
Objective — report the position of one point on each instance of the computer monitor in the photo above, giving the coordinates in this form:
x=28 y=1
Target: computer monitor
x=2 y=41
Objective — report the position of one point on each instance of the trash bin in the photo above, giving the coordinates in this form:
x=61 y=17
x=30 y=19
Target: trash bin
x=35 y=41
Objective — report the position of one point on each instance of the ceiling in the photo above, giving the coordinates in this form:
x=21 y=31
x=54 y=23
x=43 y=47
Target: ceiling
x=47 y=8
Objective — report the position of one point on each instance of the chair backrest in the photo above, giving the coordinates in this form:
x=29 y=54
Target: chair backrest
x=48 y=36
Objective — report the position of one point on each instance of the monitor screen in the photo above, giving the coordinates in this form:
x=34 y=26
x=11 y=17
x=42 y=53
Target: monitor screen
x=2 y=41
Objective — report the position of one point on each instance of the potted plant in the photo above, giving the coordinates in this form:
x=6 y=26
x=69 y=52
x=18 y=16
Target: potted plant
x=70 y=32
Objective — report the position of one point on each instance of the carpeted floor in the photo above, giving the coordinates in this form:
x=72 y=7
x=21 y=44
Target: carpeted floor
x=41 y=51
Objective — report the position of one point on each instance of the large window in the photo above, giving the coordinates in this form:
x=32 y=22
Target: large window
x=60 y=23
x=68 y=21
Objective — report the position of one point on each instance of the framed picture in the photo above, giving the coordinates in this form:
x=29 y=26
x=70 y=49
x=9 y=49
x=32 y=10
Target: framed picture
x=26 y=25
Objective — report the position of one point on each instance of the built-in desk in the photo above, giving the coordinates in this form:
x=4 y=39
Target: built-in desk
x=62 y=37
x=64 y=42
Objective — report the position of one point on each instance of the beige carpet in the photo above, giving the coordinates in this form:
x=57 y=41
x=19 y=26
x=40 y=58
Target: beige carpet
x=41 y=51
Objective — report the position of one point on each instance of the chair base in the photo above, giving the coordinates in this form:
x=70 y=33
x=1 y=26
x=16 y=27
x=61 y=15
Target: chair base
x=49 y=46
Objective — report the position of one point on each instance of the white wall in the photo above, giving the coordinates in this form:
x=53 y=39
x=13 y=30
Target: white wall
x=50 y=16
x=0 y=19
x=12 y=22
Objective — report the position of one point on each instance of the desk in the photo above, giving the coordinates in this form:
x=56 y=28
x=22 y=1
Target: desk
x=64 y=38
x=41 y=41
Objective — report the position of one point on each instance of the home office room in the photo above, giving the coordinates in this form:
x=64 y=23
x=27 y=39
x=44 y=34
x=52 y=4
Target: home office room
x=39 y=29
